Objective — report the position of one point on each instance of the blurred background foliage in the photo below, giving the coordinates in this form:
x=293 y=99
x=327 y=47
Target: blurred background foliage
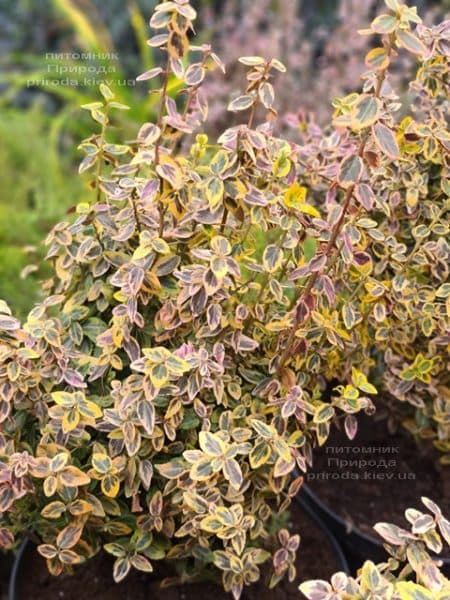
x=41 y=123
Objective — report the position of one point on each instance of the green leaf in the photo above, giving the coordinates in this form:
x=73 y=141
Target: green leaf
x=115 y=549
x=272 y=258
x=365 y=112
x=53 y=510
x=443 y=291
x=159 y=375
x=410 y=42
x=201 y=470
x=70 y=420
x=102 y=463
x=219 y=162
x=211 y=444
x=349 y=316
x=259 y=455
x=106 y=92
x=64 y=399
x=214 y=191
x=282 y=449
x=413 y=591
x=350 y=170
x=384 y=24
x=110 y=486
x=262 y=429
x=323 y=413
x=309 y=248
x=89 y=409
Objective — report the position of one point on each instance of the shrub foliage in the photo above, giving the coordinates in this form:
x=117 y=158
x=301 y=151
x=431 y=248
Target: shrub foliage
x=159 y=400
x=410 y=573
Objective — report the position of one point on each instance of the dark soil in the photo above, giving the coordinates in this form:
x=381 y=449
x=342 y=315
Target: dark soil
x=5 y=568
x=93 y=580
x=400 y=471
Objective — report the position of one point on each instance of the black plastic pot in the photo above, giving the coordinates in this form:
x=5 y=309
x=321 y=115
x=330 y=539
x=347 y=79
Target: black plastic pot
x=341 y=559
x=18 y=571
x=358 y=546
x=17 y=567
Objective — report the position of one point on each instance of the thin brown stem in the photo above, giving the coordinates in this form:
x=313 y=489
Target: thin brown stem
x=300 y=317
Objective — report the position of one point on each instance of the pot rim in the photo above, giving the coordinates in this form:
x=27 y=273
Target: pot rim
x=337 y=548
x=316 y=500
x=13 y=578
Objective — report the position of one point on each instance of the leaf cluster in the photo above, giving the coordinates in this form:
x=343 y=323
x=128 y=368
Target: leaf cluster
x=159 y=401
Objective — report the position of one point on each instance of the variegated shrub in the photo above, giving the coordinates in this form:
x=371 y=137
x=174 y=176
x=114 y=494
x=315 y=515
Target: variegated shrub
x=411 y=572
x=159 y=400
x=389 y=281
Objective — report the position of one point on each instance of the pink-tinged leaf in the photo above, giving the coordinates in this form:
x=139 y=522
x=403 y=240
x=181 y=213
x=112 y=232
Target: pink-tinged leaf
x=47 y=550
x=183 y=8
x=410 y=42
x=316 y=589
x=218 y=62
x=351 y=426
x=149 y=74
x=148 y=133
x=241 y=103
x=245 y=343
x=74 y=378
x=87 y=162
x=171 y=173
x=146 y=414
x=278 y=65
x=365 y=196
x=8 y=323
x=132 y=438
x=138 y=561
x=385 y=140
x=377 y=59
x=68 y=537
x=283 y=467
x=432 y=506
x=393 y=534
x=267 y=94
x=195 y=74
x=444 y=528
x=158 y=40
x=172 y=469
x=156 y=504
x=146 y=473
x=350 y=170
x=69 y=557
x=150 y=191
x=256 y=198
x=135 y=280
x=6 y=538
x=317 y=264
x=160 y=19
x=328 y=288
x=121 y=569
